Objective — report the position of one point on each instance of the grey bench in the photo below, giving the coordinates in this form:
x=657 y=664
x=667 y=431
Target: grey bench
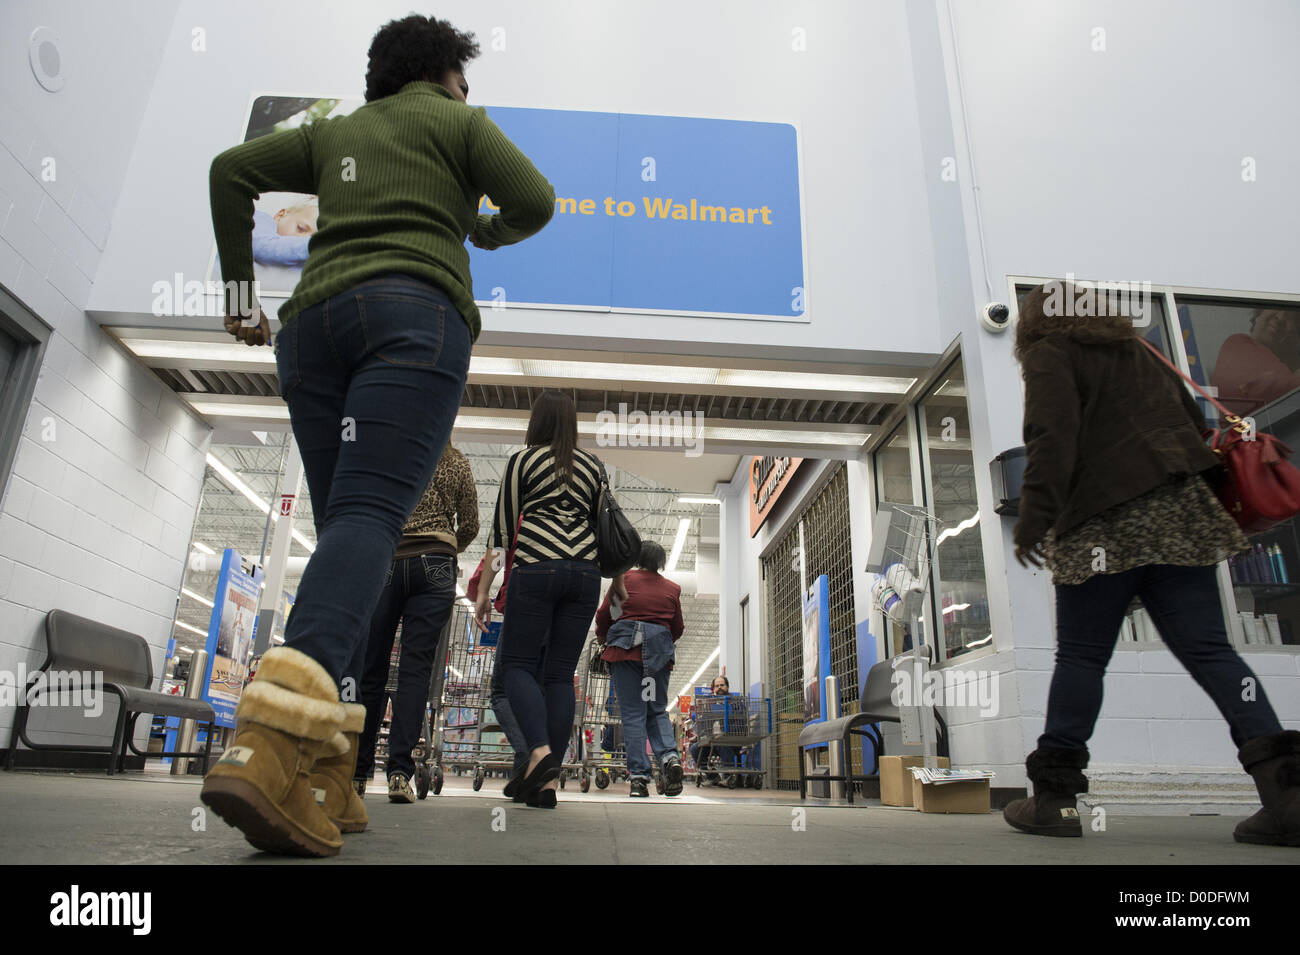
x=78 y=644
x=877 y=706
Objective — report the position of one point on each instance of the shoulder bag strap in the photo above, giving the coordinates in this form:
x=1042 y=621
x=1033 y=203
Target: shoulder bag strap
x=1227 y=415
x=601 y=488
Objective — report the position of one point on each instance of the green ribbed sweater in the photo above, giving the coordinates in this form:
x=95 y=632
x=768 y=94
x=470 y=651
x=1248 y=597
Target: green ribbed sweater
x=399 y=182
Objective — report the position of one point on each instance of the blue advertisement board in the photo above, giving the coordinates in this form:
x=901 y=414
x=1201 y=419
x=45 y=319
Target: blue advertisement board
x=816 y=648
x=231 y=631
x=671 y=214
x=655 y=213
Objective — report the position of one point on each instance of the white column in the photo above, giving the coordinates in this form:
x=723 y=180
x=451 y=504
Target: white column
x=286 y=499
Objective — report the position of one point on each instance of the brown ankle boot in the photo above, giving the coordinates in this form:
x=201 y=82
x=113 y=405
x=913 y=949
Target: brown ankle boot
x=286 y=718
x=331 y=777
x=1274 y=762
x=1057 y=777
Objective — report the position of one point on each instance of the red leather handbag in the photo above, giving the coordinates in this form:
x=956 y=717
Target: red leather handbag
x=1261 y=488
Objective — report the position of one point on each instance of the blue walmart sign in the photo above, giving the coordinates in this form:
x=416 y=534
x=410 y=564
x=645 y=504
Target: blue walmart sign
x=655 y=213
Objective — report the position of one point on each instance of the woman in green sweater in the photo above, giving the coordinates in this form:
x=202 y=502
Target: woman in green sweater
x=372 y=358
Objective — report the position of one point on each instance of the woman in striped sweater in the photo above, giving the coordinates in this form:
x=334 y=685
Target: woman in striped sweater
x=550 y=489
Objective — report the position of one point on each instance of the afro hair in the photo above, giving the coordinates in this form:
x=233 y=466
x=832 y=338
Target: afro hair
x=415 y=48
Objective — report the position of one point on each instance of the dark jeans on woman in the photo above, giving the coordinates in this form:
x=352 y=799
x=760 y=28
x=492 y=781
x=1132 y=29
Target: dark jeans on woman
x=643 y=718
x=373 y=378
x=549 y=608
x=1184 y=606
x=501 y=706
x=420 y=592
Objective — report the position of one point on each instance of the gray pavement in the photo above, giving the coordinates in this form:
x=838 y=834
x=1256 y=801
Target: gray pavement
x=90 y=818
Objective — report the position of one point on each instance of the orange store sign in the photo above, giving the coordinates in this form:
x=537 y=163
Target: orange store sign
x=768 y=477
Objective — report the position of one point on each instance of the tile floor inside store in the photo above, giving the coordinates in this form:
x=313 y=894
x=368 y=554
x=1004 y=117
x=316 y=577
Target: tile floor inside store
x=86 y=818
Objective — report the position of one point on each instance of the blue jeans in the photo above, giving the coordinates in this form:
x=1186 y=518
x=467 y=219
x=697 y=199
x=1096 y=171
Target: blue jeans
x=420 y=593
x=501 y=707
x=549 y=608
x=643 y=718
x=1184 y=606
x=373 y=377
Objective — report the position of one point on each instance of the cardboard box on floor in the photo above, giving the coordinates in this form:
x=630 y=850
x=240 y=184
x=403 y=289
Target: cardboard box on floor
x=968 y=796
x=896 y=778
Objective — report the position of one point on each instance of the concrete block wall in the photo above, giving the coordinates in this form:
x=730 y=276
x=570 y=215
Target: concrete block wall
x=97 y=513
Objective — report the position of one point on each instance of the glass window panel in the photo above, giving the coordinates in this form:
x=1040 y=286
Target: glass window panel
x=894 y=486
x=1250 y=353
x=1153 y=320
x=960 y=597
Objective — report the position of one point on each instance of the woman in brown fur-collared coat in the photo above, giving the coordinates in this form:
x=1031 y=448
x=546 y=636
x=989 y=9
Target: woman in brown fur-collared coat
x=1115 y=502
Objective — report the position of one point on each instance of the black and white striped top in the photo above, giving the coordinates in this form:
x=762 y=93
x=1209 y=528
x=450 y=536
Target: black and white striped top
x=557 y=522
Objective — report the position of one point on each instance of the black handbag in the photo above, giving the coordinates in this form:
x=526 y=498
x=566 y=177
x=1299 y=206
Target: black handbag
x=618 y=545
x=596 y=662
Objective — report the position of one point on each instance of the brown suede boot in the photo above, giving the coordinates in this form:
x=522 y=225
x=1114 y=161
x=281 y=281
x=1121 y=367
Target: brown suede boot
x=1057 y=775
x=286 y=718
x=331 y=777
x=1274 y=762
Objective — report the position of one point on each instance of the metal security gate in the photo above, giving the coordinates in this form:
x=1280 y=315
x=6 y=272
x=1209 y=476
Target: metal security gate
x=826 y=536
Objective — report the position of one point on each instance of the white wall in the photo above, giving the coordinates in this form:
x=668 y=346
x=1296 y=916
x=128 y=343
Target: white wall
x=97 y=513
x=849 y=93
x=1122 y=164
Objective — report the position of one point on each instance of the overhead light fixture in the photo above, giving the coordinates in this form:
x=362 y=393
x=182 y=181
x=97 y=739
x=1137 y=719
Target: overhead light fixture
x=185 y=626
x=277 y=411
x=218 y=352
x=199 y=597
x=484 y=366
x=233 y=479
x=683 y=526
x=200 y=546
x=698 y=500
x=509 y=428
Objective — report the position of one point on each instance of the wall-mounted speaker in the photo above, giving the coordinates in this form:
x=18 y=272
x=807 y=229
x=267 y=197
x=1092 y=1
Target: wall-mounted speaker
x=46 y=58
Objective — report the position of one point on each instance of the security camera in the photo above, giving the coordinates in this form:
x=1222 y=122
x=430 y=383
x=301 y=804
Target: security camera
x=995 y=317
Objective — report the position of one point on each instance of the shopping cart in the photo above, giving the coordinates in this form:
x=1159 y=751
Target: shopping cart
x=459 y=719
x=739 y=723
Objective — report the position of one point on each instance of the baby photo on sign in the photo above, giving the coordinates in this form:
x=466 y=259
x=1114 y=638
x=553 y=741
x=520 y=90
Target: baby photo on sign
x=283 y=222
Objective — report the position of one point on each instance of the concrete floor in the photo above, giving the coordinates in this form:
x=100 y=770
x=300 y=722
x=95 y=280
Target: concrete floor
x=90 y=818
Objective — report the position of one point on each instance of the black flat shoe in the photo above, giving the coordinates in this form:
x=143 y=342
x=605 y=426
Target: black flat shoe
x=516 y=778
x=545 y=771
x=542 y=799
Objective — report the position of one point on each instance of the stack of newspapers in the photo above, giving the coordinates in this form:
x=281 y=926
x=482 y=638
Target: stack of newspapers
x=940 y=776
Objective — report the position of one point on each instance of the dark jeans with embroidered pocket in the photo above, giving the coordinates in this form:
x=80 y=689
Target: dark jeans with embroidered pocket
x=420 y=593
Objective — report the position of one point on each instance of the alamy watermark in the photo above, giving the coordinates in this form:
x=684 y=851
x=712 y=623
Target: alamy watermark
x=1131 y=300
x=83 y=688
x=655 y=429
x=204 y=299
x=916 y=685
x=75 y=907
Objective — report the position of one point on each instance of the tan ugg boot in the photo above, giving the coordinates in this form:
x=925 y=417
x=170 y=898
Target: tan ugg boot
x=286 y=718
x=331 y=777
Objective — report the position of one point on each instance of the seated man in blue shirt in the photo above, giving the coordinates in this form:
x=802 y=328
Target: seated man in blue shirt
x=727 y=755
